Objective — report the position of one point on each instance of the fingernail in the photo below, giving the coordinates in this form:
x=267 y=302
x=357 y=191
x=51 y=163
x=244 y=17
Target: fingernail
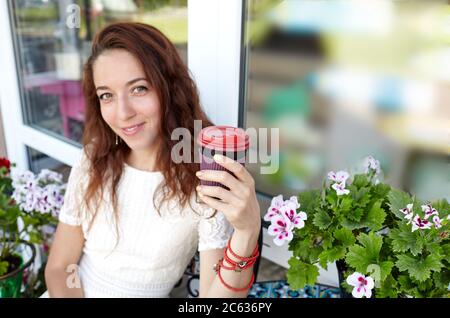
x=217 y=157
x=199 y=188
x=200 y=194
x=198 y=174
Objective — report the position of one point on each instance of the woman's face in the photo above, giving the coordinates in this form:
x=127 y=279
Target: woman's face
x=129 y=105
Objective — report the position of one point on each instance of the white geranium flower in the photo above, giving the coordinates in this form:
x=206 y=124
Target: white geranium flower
x=437 y=222
x=340 y=188
x=429 y=210
x=370 y=163
x=297 y=219
x=408 y=212
x=281 y=228
x=339 y=177
x=418 y=223
x=274 y=209
x=278 y=203
x=362 y=285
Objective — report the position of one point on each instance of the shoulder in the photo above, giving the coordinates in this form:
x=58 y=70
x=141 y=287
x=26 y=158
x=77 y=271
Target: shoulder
x=80 y=167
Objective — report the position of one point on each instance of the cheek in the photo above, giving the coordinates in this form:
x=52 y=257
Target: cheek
x=149 y=108
x=107 y=115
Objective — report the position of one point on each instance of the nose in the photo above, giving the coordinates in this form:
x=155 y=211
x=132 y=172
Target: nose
x=125 y=109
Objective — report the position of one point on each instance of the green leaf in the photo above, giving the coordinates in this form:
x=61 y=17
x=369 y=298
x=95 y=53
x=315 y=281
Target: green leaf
x=386 y=268
x=351 y=225
x=300 y=274
x=35 y=237
x=305 y=250
x=381 y=190
x=301 y=248
x=327 y=240
x=309 y=200
x=374 y=271
x=3 y=267
x=443 y=207
x=361 y=256
x=404 y=240
x=388 y=288
x=425 y=286
x=446 y=251
x=345 y=205
x=331 y=255
x=407 y=286
x=322 y=220
x=361 y=196
x=375 y=218
x=442 y=279
x=356 y=215
x=418 y=267
x=360 y=180
x=380 y=271
x=345 y=236
x=398 y=200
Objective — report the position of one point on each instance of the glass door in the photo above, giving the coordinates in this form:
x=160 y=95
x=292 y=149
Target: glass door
x=347 y=79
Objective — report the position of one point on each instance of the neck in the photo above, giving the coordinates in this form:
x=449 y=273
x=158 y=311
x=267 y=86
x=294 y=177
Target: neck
x=143 y=159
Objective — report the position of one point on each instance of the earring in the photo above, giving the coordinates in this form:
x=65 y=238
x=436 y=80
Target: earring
x=117 y=140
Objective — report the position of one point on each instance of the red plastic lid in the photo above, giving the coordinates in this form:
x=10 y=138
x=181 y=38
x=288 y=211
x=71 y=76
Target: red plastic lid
x=222 y=138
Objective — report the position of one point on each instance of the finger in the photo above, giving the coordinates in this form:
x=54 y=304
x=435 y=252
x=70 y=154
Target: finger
x=214 y=203
x=223 y=177
x=235 y=167
x=217 y=192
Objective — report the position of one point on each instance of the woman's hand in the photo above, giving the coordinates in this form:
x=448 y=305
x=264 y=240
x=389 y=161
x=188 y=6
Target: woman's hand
x=239 y=204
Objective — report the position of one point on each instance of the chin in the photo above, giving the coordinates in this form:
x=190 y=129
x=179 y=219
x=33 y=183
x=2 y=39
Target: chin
x=140 y=144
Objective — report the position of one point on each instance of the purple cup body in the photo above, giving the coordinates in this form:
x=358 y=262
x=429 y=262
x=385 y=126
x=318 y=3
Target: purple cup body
x=227 y=141
x=207 y=162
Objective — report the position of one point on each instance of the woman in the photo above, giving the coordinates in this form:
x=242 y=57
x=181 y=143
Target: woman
x=131 y=221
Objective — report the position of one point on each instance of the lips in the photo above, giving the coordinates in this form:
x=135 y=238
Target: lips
x=132 y=130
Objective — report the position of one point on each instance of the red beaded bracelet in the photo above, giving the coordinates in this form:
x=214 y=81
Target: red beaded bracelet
x=254 y=255
x=217 y=269
x=237 y=266
x=244 y=263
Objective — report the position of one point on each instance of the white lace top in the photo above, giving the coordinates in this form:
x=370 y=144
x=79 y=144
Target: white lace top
x=153 y=251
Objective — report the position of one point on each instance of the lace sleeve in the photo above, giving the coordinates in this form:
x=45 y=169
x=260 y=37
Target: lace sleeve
x=213 y=232
x=72 y=211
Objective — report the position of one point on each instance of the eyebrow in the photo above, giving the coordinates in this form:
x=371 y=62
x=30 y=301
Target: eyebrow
x=127 y=84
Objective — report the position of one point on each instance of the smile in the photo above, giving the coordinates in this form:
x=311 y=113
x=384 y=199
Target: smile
x=132 y=130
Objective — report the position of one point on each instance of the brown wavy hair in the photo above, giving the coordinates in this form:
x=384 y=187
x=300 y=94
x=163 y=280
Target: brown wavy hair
x=180 y=106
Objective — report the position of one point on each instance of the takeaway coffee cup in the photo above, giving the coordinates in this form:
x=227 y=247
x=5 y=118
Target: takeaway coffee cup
x=228 y=141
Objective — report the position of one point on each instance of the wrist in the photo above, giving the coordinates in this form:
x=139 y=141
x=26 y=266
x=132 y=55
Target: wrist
x=243 y=244
x=248 y=234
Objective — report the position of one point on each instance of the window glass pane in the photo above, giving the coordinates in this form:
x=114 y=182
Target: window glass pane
x=342 y=81
x=39 y=161
x=51 y=50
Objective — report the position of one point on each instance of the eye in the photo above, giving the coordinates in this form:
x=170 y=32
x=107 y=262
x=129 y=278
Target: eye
x=140 y=90
x=105 y=96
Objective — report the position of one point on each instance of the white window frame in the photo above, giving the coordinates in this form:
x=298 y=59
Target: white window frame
x=214 y=50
